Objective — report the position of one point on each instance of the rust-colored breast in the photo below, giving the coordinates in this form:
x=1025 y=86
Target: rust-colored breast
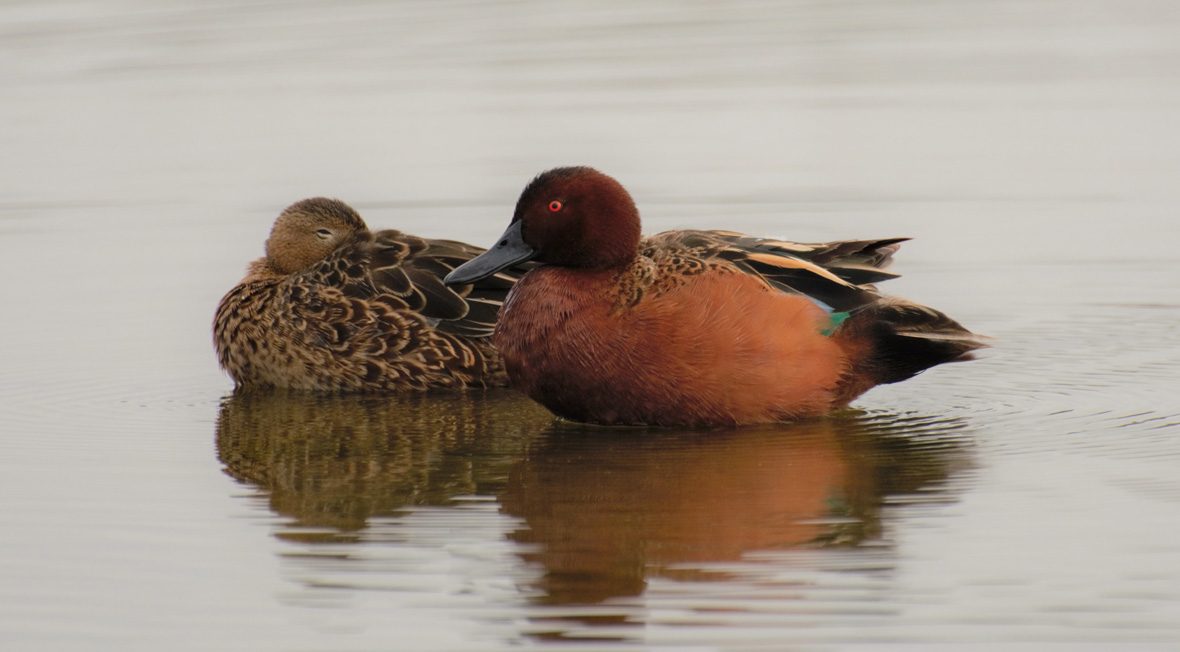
x=713 y=347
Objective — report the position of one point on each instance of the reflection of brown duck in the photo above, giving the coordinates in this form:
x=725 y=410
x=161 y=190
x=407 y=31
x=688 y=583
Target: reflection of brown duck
x=602 y=510
x=606 y=510
x=337 y=460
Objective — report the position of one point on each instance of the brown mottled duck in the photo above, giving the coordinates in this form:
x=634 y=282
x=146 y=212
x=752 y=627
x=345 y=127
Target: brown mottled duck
x=333 y=306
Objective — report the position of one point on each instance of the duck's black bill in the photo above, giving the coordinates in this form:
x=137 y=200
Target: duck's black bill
x=509 y=250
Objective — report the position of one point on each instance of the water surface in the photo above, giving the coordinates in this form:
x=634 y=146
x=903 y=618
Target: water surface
x=1025 y=500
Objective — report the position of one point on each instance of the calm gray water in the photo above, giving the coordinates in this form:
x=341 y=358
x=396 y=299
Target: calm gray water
x=1029 y=500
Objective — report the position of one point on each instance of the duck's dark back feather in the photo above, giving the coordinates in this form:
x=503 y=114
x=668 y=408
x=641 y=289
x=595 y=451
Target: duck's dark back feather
x=390 y=263
x=837 y=274
x=855 y=261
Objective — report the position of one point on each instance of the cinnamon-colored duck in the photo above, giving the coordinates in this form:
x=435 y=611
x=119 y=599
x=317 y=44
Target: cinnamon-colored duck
x=694 y=328
x=335 y=307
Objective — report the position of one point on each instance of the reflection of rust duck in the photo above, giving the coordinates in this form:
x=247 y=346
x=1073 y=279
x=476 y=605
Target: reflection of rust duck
x=694 y=327
x=601 y=524
x=333 y=306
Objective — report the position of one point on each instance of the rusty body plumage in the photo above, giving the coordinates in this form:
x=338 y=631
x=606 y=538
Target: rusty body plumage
x=696 y=328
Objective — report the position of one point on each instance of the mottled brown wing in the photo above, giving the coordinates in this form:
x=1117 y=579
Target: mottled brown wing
x=467 y=310
x=856 y=261
x=482 y=298
x=405 y=273
x=780 y=264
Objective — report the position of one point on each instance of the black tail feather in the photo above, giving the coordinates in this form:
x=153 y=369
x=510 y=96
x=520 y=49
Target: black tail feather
x=906 y=339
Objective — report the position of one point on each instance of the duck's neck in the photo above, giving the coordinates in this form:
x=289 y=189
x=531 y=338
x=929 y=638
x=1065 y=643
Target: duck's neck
x=263 y=270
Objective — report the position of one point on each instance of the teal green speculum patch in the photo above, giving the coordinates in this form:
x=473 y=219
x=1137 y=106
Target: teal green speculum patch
x=837 y=318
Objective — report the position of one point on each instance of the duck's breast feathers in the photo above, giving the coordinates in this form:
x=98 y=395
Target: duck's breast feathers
x=406 y=273
x=834 y=275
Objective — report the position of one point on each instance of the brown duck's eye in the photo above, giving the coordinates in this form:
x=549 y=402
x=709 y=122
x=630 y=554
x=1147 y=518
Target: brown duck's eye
x=554 y=206
x=323 y=233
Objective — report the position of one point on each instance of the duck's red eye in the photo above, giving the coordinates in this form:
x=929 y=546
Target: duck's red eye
x=554 y=206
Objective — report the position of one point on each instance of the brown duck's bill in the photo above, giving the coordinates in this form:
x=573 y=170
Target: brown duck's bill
x=508 y=251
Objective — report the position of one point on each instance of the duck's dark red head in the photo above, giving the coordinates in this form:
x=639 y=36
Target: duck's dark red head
x=578 y=217
x=573 y=217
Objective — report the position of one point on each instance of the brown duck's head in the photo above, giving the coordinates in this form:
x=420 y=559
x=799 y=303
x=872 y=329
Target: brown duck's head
x=572 y=217
x=308 y=230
